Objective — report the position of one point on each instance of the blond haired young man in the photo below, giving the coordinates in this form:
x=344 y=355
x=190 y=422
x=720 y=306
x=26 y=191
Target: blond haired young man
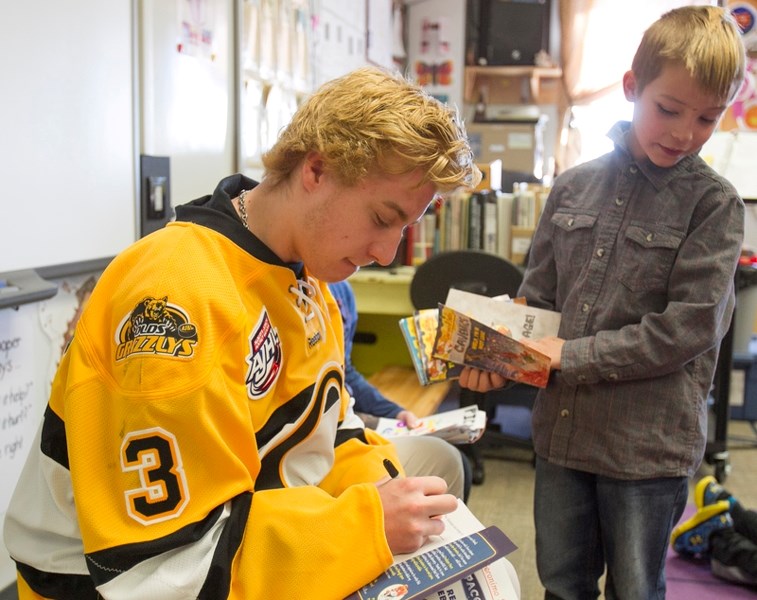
x=637 y=250
x=198 y=441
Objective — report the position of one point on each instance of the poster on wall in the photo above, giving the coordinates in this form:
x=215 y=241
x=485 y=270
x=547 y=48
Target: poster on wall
x=196 y=29
x=434 y=67
x=742 y=114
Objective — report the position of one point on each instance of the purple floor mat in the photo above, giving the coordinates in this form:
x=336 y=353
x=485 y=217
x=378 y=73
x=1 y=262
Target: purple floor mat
x=689 y=579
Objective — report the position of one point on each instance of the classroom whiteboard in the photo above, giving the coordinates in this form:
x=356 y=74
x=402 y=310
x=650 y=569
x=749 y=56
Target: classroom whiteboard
x=32 y=339
x=67 y=149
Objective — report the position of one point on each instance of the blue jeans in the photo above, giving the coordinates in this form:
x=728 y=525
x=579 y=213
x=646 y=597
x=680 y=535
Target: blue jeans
x=586 y=522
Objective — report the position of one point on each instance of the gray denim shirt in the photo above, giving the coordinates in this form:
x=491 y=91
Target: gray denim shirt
x=640 y=261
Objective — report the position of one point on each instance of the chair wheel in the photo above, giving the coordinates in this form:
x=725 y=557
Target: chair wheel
x=478 y=474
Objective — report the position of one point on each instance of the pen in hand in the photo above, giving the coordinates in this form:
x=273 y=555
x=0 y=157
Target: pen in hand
x=391 y=469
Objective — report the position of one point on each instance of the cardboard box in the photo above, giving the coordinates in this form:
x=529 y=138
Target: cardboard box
x=520 y=242
x=518 y=144
x=491 y=176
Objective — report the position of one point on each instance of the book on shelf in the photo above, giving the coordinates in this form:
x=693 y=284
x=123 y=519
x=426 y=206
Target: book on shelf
x=467 y=561
x=492 y=220
x=457 y=426
x=465 y=341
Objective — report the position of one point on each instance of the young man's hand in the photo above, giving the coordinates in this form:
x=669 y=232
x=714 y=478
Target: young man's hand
x=412 y=506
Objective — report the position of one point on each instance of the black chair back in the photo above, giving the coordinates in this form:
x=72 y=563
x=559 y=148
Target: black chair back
x=469 y=270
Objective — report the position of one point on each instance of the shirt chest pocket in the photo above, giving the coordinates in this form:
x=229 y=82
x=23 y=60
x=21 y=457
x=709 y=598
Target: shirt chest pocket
x=572 y=240
x=647 y=257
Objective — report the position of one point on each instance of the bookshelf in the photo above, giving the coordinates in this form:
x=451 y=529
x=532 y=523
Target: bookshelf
x=490 y=220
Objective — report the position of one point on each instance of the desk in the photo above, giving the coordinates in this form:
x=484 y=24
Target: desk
x=383 y=298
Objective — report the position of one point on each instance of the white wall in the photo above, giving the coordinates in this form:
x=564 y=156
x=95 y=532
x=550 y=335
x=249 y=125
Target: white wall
x=188 y=94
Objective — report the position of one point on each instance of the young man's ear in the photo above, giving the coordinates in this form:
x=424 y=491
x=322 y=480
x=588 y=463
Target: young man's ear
x=629 y=86
x=312 y=170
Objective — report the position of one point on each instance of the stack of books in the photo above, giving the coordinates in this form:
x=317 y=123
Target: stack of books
x=482 y=332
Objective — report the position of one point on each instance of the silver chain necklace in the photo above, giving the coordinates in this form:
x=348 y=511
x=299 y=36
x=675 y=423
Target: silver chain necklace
x=242 y=209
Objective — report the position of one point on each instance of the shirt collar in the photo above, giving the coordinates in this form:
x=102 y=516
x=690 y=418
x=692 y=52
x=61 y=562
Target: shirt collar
x=659 y=177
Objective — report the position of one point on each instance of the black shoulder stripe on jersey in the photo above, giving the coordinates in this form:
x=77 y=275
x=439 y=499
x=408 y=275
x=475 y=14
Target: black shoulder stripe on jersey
x=105 y=565
x=344 y=435
x=53 y=442
x=218 y=582
x=58 y=585
x=326 y=394
x=283 y=416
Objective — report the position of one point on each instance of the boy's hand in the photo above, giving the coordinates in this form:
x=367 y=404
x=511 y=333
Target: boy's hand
x=411 y=505
x=484 y=381
x=480 y=381
x=409 y=418
x=551 y=346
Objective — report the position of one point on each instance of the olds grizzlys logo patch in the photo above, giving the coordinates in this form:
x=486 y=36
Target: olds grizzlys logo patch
x=156 y=327
x=264 y=359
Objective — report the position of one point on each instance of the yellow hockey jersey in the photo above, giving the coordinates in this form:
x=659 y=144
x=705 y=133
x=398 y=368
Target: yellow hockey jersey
x=198 y=441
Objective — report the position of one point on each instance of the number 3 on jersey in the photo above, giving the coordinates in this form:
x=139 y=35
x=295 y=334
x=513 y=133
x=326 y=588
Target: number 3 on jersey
x=163 y=492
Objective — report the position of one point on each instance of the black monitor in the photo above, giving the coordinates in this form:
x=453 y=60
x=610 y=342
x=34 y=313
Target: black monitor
x=507 y=32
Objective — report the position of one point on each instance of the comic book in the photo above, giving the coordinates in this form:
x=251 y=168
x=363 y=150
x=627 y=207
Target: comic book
x=426 y=323
x=521 y=320
x=419 y=331
x=410 y=334
x=457 y=426
x=507 y=315
x=466 y=341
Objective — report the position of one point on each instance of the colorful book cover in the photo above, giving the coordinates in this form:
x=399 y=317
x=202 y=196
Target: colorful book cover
x=426 y=325
x=419 y=332
x=521 y=320
x=423 y=574
x=410 y=333
x=457 y=426
x=465 y=341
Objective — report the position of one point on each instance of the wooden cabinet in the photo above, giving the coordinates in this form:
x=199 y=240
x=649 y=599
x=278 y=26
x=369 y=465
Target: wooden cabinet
x=514 y=84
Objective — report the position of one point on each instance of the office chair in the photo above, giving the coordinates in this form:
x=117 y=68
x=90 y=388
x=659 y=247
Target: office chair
x=480 y=273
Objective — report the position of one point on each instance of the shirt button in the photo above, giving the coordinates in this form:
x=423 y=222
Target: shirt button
x=612 y=376
x=601 y=252
x=618 y=202
x=564 y=412
x=582 y=378
x=650 y=237
x=570 y=222
x=633 y=169
x=585 y=308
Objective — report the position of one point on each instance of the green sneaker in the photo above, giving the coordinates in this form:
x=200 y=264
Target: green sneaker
x=692 y=537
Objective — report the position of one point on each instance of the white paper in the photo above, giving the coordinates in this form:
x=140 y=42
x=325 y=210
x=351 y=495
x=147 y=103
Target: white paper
x=522 y=321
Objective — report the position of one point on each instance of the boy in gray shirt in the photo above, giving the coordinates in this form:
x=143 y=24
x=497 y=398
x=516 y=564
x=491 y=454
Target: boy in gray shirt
x=637 y=249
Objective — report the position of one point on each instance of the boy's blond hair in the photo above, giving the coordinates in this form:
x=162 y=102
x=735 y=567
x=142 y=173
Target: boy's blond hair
x=705 y=39
x=373 y=122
